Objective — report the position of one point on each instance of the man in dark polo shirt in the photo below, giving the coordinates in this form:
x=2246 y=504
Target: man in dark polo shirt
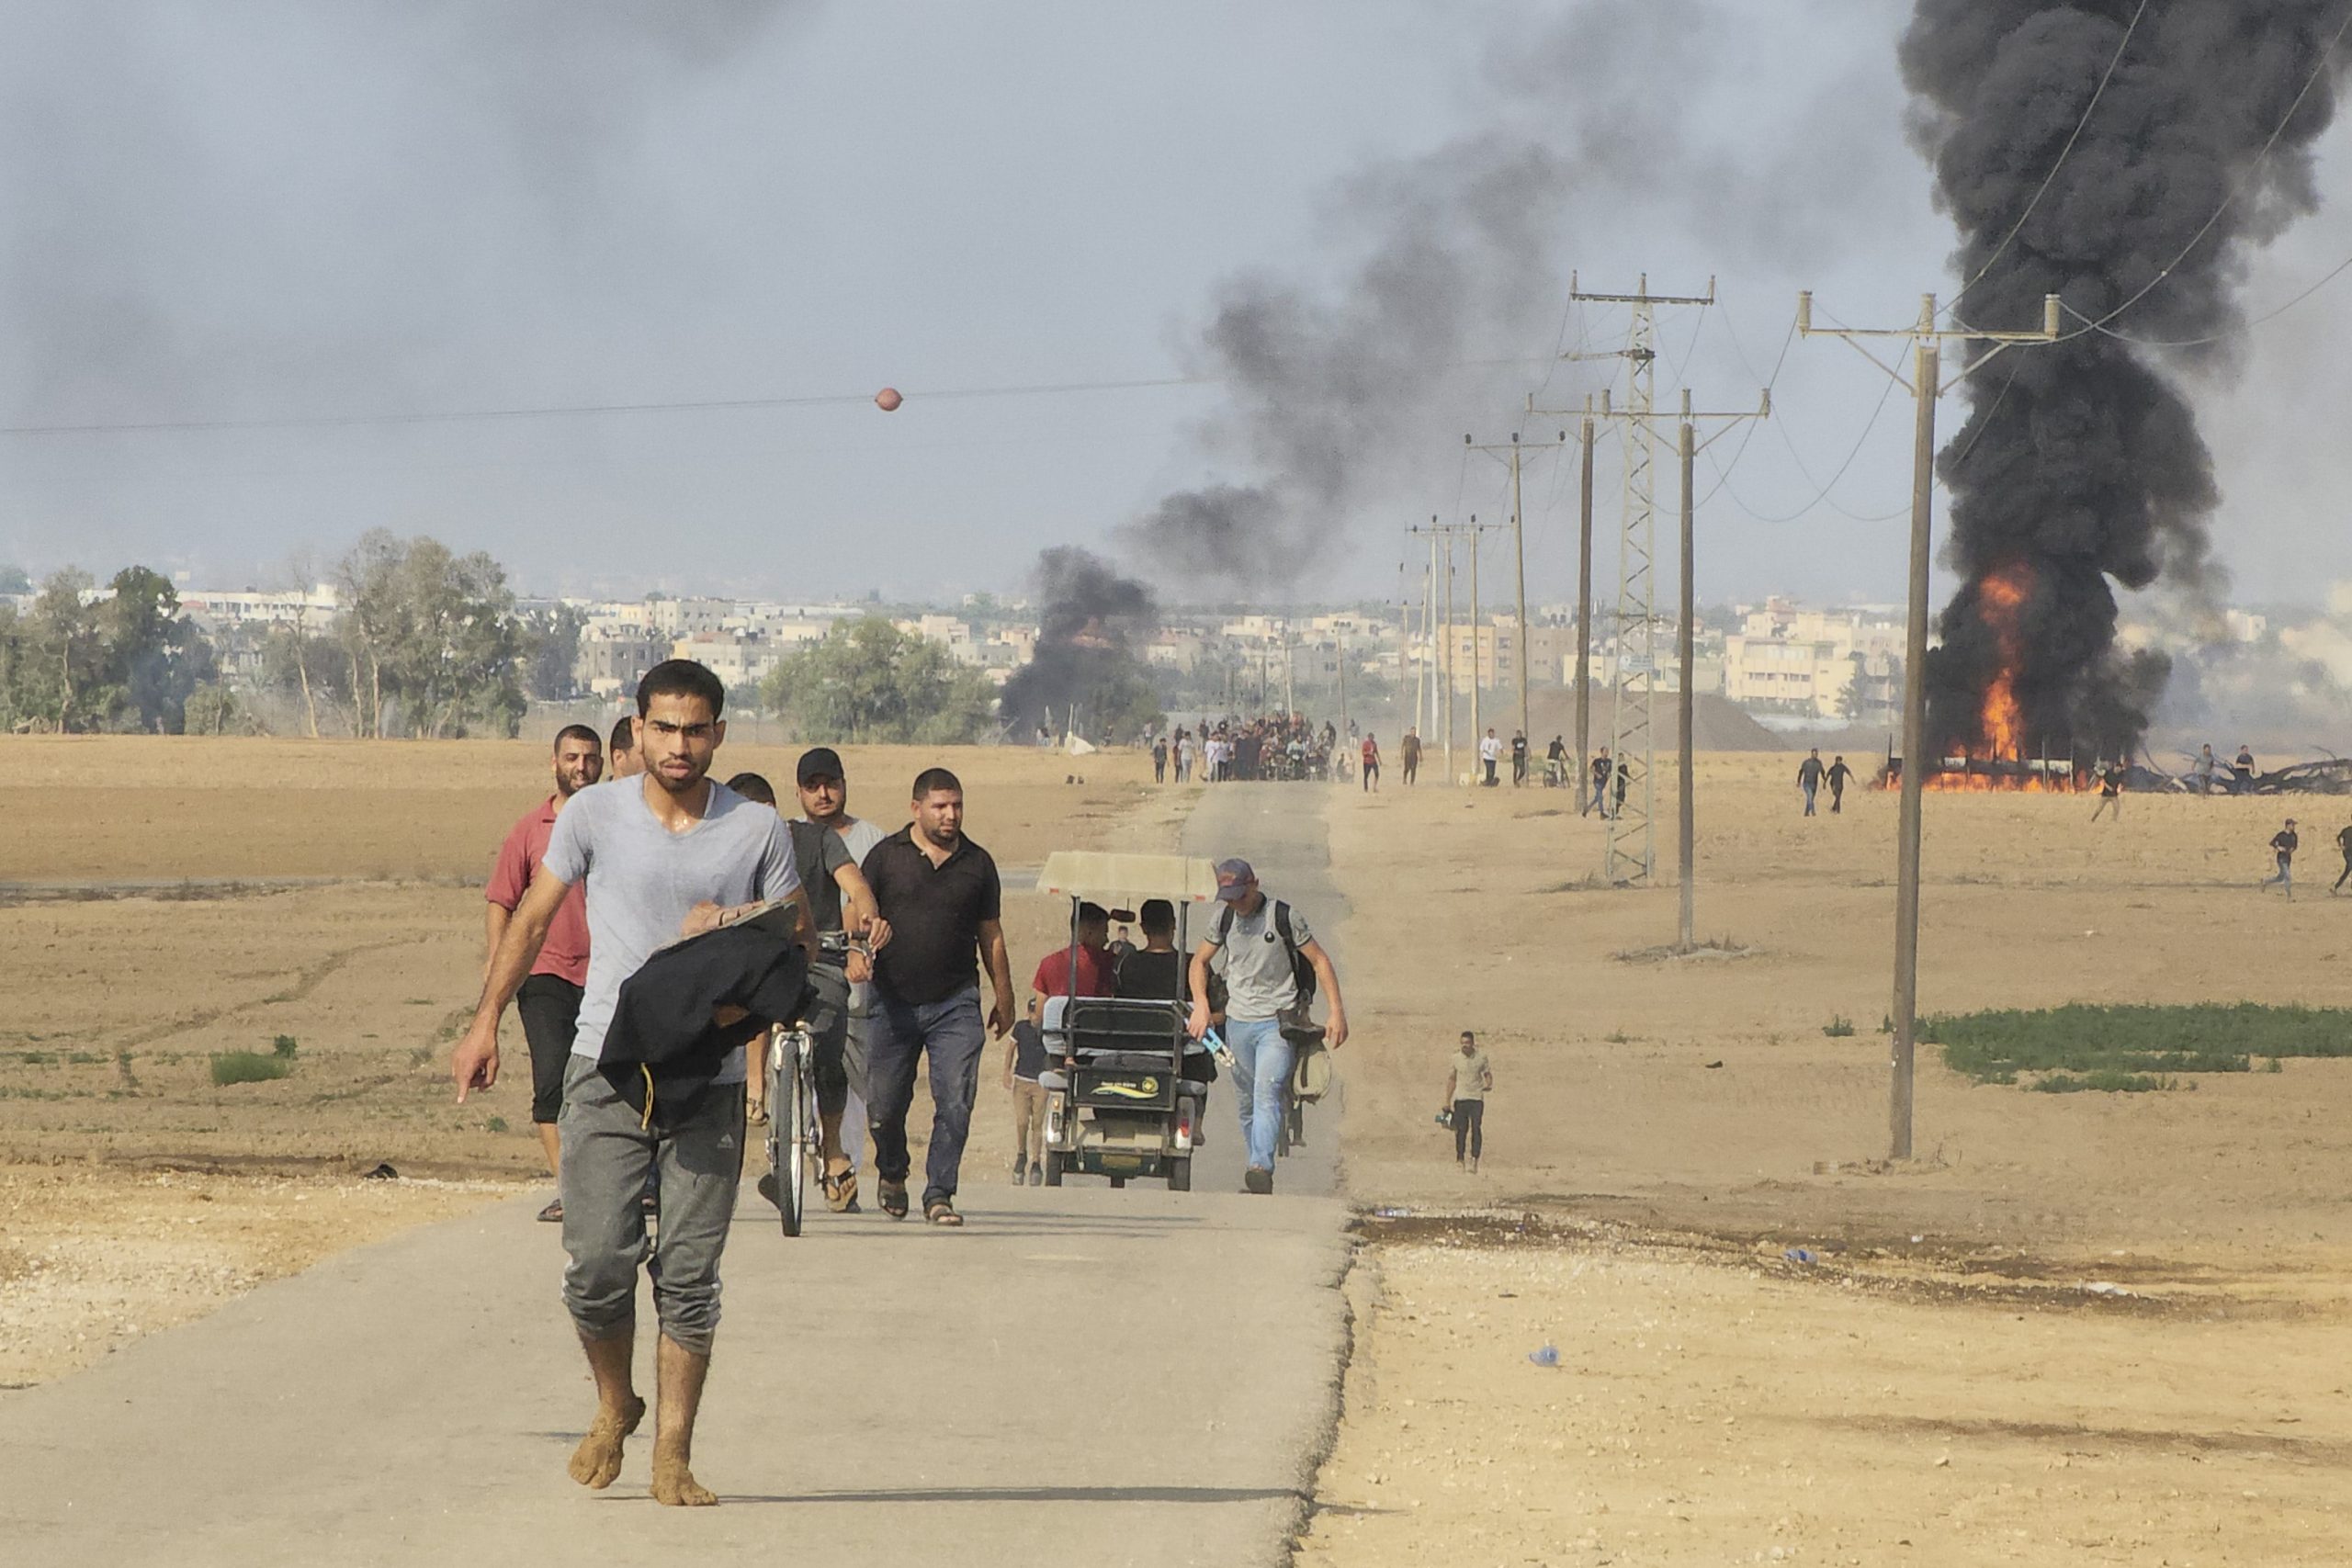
x=549 y=1002
x=939 y=892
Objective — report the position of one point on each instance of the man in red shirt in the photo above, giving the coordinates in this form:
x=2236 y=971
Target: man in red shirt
x=549 y=1002
x=1095 y=964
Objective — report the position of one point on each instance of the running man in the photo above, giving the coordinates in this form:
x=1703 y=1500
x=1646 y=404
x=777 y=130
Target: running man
x=1263 y=942
x=823 y=787
x=2283 y=843
x=940 y=893
x=1468 y=1081
x=1838 y=775
x=549 y=1001
x=1371 y=763
x=1809 y=776
x=672 y=854
x=2110 y=792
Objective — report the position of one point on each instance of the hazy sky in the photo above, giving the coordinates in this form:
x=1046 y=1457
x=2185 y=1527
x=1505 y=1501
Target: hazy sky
x=225 y=210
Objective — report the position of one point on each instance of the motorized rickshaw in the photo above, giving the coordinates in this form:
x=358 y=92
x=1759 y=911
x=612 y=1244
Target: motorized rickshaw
x=1119 y=1103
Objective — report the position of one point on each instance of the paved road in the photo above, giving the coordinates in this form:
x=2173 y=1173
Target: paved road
x=1069 y=1380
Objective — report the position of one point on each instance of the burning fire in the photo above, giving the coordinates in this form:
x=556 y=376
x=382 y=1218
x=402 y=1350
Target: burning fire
x=1999 y=762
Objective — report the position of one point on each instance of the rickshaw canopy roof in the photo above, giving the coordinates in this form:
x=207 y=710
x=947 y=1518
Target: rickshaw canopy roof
x=1127 y=880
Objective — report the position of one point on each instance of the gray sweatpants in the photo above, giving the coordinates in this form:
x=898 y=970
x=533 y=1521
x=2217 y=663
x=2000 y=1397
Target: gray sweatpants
x=606 y=1156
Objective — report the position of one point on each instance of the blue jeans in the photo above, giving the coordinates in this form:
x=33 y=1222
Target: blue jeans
x=1261 y=1060
x=1809 y=791
x=952 y=1035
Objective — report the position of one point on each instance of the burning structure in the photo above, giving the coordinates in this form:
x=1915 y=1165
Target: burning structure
x=2125 y=157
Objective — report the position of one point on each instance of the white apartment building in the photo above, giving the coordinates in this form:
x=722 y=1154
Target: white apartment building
x=213 y=608
x=1785 y=659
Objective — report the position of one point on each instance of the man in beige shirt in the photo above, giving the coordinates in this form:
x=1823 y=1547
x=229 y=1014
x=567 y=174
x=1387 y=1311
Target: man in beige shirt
x=1467 y=1083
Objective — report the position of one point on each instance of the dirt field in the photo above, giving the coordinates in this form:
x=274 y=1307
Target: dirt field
x=2080 y=1329
x=161 y=900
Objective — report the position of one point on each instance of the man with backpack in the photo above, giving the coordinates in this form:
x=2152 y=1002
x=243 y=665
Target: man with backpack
x=1273 y=967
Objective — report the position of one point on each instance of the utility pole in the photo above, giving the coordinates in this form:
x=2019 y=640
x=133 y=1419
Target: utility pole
x=1687 y=699
x=1447 y=532
x=1477 y=658
x=1518 y=552
x=1343 y=683
x=1925 y=387
x=1629 y=856
x=1584 y=614
x=1450 y=654
x=1584 y=601
x=1686 y=806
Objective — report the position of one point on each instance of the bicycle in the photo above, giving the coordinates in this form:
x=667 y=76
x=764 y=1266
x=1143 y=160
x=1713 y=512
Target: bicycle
x=793 y=1138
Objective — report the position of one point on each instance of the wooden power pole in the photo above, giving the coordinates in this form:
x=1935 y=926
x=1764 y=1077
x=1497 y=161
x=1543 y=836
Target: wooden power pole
x=1927 y=355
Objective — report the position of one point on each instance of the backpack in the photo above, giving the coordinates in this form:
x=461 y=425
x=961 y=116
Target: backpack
x=1302 y=973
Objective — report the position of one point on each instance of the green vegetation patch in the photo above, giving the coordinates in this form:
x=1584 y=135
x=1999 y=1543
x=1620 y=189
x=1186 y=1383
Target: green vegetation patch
x=249 y=1066
x=2134 y=1049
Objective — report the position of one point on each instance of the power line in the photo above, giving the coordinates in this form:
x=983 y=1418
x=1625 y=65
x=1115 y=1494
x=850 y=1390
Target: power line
x=2227 y=202
x=546 y=411
x=683 y=405
x=2333 y=274
x=2043 y=189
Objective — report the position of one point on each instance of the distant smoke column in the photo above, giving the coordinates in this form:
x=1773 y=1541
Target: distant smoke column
x=1089 y=620
x=2080 y=465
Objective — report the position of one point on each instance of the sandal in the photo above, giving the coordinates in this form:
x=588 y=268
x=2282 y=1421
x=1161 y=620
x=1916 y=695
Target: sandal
x=841 y=1189
x=940 y=1212
x=892 y=1196
x=758 y=1115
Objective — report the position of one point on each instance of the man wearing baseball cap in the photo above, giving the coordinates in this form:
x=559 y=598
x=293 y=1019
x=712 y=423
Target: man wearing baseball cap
x=823 y=787
x=1273 y=967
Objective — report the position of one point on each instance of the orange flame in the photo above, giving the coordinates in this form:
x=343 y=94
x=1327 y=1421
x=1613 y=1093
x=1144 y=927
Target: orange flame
x=2000 y=595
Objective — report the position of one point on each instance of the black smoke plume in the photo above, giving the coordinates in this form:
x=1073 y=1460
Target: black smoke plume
x=2080 y=465
x=1086 y=656
x=1339 y=396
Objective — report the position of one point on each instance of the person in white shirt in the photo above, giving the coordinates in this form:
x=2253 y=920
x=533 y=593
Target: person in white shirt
x=1490 y=751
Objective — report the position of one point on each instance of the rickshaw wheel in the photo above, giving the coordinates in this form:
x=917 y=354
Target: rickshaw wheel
x=1054 y=1170
x=1179 y=1175
x=1118 y=1181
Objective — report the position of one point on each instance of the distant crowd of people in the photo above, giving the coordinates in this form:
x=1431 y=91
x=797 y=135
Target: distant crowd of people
x=1270 y=746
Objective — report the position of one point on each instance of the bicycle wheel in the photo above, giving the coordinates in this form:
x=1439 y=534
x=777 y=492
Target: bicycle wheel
x=792 y=1110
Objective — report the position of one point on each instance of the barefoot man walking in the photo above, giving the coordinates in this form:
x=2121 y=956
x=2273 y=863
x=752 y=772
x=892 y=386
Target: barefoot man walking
x=673 y=852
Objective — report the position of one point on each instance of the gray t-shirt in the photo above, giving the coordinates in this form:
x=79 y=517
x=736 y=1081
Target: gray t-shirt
x=648 y=879
x=1258 y=979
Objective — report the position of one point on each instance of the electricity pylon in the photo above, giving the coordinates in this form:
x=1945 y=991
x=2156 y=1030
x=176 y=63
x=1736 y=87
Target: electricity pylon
x=1630 y=857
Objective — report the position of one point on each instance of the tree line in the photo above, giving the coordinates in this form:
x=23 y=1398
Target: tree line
x=429 y=643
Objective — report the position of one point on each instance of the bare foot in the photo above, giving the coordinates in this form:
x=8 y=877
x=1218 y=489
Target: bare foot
x=597 y=1461
x=673 y=1485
